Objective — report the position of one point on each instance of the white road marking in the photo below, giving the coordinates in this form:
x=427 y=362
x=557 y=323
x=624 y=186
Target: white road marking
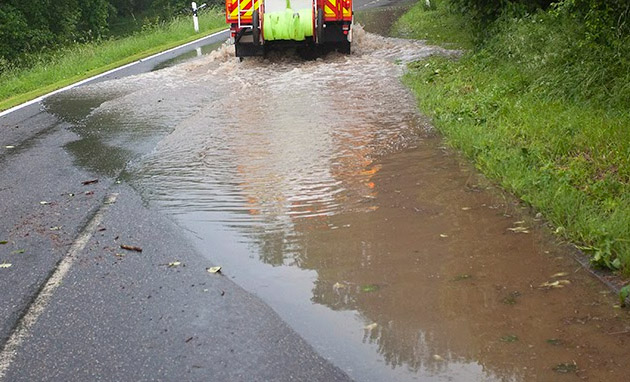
x=40 y=98
x=23 y=327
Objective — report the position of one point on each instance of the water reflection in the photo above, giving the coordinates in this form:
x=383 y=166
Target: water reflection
x=326 y=167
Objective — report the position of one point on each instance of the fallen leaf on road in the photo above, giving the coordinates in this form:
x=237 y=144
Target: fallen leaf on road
x=174 y=264
x=88 y=193
x=44 y=203
x=213 y=269
x=519 y=229
x=465 y=208
x=3 y=242
x=130 y=247
x=443 y=235
x=57 y=228
x=189 y=339
x=91 y=181
x=119 y=255
x=9 y=147
x=560 y=274
x=438 y=357
x=5 y=265
x=16 y=252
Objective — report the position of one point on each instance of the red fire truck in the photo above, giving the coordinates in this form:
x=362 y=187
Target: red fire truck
x=310 y=25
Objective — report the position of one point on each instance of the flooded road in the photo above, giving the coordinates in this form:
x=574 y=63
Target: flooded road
x=318 y=186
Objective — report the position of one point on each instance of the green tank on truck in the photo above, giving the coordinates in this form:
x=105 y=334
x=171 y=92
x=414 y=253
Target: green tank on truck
x=317 y=26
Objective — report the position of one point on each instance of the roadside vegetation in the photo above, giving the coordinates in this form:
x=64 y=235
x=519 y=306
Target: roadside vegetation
x=539 y=101
x=63 y=47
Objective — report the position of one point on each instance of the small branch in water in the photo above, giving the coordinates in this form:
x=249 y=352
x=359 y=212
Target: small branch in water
x=621 y=332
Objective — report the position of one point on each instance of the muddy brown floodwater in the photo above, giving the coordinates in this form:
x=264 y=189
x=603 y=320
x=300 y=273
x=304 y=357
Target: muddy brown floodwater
x=319 y=187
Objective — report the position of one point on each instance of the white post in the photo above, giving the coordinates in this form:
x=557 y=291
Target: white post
x=195 y=18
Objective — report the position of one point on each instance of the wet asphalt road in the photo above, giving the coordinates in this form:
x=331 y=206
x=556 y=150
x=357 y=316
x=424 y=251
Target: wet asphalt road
x=119 y=315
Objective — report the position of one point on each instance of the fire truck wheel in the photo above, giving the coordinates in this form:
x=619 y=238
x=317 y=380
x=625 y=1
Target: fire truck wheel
x=255 y=27
x=320 y=25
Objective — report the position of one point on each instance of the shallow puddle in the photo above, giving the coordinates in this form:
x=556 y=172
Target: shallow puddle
x=318 y=186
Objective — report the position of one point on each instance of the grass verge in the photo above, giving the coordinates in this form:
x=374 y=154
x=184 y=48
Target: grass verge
x=538 y=112
x=70 y=65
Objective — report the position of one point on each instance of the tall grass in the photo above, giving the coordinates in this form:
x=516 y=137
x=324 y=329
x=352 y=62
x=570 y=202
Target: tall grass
x=545 y=113
x=52 y=71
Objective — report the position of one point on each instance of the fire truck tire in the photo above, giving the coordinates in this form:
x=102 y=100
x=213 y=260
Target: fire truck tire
x=255 y=27
x=320 y=25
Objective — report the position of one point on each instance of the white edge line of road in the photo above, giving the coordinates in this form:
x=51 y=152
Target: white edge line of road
x=24 y=325
x=40 y=98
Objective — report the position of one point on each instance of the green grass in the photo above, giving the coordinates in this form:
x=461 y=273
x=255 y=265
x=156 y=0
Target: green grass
x=64 y=67
x=436 y=25
x=541 y=112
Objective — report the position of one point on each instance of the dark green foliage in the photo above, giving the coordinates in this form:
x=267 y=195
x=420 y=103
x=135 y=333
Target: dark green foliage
x=31 y=26
x=604 y=20
x=485 y=11
x=35 y=26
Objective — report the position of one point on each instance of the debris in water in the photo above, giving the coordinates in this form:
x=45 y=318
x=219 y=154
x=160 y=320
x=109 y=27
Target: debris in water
x=214 y=270
x=554 y=341
x=623 y=295
x=565 y=368
x=91 y=181
x=370 y=288
x=461 y=277
x=338 y=285
x=555 y=284
x=509 y=338
x=130 y=247
x=519 y=229
x=371 y=326
x=511 y=298
x=5 y=265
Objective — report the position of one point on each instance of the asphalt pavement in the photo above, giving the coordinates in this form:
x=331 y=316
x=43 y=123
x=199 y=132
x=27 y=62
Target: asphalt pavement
x=78 y=307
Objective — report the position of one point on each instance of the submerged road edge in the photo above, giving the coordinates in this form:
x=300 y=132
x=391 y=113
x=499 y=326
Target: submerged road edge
x=79 y=83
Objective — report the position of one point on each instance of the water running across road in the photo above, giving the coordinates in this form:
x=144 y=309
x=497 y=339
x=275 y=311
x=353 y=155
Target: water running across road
x=319 y=187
